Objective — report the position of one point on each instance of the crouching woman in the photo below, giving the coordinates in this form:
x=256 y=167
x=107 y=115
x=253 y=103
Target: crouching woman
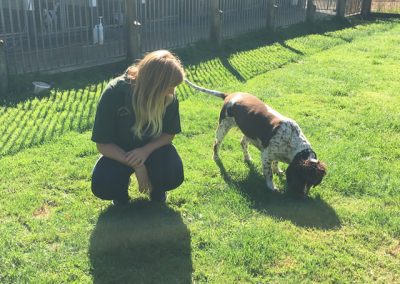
x=136 y=120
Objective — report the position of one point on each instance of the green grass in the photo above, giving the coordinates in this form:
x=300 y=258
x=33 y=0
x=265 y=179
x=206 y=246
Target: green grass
x=221 y=226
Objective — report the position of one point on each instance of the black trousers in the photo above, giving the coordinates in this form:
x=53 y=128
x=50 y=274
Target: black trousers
x=110 y=178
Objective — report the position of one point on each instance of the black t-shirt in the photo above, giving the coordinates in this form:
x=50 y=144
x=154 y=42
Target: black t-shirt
x=115 y=117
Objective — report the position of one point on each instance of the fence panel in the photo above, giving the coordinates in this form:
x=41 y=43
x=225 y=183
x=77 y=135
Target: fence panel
x=45 y=35
x=386 y=6
x=289 y=12
x=173 y=23
x=325 y=8
x=353 y=7
x=242 y=16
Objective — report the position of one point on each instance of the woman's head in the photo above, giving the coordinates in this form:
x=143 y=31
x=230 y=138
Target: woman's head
x=156 y=77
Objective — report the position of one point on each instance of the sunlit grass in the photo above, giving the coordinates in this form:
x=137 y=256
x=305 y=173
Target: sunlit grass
x=220 y=226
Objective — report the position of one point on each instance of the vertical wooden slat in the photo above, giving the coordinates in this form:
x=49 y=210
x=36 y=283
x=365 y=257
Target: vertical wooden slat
x=11 y=31
x=44 y=62
x=3 y=70
x=21 y=39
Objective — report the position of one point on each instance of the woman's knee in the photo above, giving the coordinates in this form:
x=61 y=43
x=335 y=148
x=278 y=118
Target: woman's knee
x=165 y=168
x=110 y=179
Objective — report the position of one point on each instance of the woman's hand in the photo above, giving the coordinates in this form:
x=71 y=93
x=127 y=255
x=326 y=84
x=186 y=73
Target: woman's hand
x=136 y=157
x=142 y=177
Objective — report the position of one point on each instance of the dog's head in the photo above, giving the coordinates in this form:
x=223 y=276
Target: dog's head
x=302 y=174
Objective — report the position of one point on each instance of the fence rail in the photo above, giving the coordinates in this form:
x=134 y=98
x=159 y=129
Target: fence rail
x=46 y=35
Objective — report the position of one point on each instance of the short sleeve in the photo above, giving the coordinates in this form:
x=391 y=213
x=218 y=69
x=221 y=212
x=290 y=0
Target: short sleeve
x=104 y=128
x=172 y=121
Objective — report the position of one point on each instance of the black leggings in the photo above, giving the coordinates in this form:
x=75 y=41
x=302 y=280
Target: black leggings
x=110 y=179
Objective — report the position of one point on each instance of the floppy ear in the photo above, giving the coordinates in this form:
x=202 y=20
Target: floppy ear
x=294 y=178
x=313 y=171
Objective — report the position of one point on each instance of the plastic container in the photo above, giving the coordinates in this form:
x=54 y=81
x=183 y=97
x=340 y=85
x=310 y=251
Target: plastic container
x=101 y=31
x=96 y=34
x=40 y=87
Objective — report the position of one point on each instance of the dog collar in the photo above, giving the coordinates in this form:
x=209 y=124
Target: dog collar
x=306 y=154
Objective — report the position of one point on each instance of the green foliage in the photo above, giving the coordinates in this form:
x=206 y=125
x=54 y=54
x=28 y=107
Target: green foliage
x=221 y=226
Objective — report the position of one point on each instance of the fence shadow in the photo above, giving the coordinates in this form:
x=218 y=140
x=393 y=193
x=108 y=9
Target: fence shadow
x=308 y=212
x=21 y=87
x=204 y=51
x=141 y=243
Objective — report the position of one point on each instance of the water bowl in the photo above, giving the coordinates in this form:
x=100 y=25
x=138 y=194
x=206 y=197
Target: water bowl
x=40 y=87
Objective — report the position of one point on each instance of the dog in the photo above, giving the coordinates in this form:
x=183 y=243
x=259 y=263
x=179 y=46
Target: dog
x=279 y=139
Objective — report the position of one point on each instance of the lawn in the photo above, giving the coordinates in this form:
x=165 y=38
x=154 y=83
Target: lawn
x=340 y=82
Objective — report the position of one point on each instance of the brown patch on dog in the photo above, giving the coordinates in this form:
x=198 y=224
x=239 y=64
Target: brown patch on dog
x=255 y=119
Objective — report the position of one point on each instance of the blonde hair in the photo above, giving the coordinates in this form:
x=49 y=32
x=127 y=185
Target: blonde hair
x=153 y=75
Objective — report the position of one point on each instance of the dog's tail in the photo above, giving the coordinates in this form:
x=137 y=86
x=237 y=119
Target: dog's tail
x=207 y=91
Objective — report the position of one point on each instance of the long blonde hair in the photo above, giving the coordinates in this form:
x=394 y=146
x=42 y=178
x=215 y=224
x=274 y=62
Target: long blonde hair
x=154 y=75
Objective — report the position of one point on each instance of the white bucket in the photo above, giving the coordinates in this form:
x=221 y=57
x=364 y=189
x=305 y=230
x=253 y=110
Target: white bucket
x=40 y=87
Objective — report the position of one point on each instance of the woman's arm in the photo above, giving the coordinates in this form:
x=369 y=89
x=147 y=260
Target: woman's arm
x=138 y=156
x=112 y=151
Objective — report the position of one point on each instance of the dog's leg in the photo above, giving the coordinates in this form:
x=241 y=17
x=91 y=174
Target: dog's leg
x=245 y=146
x=224 y=126
x=267 y=171
x=276 y=169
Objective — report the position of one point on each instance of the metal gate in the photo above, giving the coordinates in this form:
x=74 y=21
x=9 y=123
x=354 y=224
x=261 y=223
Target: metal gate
x=173 y=23
x=57 y=34
x=289 y=12
x=325 y=7
x=242 y=16
x=353 y=7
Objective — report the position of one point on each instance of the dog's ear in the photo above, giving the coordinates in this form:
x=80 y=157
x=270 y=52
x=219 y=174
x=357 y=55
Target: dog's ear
x=294 y=179
x=313 y=171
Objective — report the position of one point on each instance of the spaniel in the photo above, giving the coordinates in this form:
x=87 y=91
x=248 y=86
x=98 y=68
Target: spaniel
x=279 y=139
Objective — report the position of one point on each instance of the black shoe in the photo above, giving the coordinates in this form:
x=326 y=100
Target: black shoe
x=121 y=202
x=160 y=197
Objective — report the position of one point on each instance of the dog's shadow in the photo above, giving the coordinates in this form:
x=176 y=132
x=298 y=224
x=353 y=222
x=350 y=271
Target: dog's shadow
x=143 y=242
x=305 y=212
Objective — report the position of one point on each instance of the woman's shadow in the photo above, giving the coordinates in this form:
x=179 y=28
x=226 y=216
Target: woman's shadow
x=307 y=212
x=143 y=242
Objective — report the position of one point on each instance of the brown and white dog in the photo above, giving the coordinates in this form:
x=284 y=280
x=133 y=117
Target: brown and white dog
x=277 y=137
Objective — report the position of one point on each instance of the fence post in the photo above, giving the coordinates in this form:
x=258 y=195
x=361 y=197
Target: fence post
x=311 y=8
x=133 y=29
x=216 y=22
x=3 y=69
x=366 y=8
x=341 y=9
x=270 y=14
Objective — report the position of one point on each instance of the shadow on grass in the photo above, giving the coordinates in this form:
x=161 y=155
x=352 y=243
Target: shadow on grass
x=142 y=243
x=204 y=51
x=21 y=87
x=308 y=212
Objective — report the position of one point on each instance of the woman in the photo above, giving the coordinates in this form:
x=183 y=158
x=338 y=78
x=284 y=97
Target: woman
x=136 y=120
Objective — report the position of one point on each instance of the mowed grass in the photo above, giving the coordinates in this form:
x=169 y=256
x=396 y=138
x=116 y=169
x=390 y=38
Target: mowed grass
x=221 y=225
